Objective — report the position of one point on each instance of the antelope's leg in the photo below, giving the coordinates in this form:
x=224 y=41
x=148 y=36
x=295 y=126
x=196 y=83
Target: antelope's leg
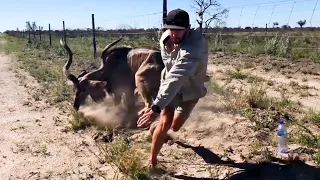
x=145 y=81
x=145 y=94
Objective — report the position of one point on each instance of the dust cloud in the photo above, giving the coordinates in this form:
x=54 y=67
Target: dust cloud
x=107 y=115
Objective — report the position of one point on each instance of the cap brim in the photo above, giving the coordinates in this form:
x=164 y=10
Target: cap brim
x=165 y=26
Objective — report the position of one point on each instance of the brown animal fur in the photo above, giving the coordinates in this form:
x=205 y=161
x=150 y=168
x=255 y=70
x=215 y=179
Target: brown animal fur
x=123 y=70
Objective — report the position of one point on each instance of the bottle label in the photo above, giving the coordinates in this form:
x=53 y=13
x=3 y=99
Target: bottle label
x=281 y=133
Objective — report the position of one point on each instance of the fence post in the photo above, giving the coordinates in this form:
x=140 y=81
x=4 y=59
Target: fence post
x=94 y=38
x=50 y=36
x=64 y=33
x=164 y=11
x=266 y=28
x=29 y=38
x=40 y=33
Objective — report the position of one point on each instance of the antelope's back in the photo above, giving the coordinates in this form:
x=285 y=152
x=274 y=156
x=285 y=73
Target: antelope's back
x=145 y=57
x=147 y=64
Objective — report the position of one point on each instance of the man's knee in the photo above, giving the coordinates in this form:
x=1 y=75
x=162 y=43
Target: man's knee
x=168 y=111
x=182 y=114
x=167 y=116
x=178 y=121
x=165 y=120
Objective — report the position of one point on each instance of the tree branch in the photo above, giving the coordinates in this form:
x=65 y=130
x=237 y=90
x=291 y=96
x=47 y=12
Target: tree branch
x=200 y=2
x=199 y=22
x=203 y=8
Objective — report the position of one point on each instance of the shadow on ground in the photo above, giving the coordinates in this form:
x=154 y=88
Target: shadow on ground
x=289 y=170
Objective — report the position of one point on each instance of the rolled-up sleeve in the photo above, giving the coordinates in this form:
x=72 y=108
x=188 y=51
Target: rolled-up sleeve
x=178 y=74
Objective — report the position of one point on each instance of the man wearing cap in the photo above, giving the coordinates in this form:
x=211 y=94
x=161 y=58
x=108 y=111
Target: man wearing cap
x=185 y=54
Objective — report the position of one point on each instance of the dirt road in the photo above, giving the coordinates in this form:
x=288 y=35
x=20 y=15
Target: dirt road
x=33 y=143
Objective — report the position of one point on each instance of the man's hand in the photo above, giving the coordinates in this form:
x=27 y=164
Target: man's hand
x=146 y=118
x=142 y=111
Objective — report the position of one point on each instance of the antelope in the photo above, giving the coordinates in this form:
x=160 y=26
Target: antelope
x=123 y=70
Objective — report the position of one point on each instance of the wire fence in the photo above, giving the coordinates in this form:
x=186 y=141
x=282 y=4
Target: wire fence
x=299 y=37
x=273 y=14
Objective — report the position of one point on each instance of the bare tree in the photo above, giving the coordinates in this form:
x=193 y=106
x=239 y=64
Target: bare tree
x=209 y=11
x=275 y=24
x=32 y=27
x=301 y=23
x=28 y=25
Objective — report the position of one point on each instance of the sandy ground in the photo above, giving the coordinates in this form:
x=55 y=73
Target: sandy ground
x=35 y=145
x=281 y=72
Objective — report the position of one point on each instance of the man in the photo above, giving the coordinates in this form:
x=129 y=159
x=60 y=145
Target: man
x=185 y=54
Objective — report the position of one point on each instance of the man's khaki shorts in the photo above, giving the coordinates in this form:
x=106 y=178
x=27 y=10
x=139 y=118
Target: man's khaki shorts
x=184 y=108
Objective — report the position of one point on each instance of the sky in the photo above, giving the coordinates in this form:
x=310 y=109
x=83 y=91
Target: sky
x=110 y=14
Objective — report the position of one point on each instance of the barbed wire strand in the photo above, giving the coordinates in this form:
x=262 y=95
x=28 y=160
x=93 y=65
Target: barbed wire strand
x=139 y=20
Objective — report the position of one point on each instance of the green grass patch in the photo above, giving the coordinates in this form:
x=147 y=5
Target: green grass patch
x=276 y=44
x=238 y=74
x=123 y=157
x=313 y=117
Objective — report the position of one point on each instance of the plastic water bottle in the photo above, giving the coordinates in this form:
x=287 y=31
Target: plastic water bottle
x=282 y=138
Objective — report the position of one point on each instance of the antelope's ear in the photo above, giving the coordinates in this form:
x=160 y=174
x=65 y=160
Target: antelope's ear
x=100 y=84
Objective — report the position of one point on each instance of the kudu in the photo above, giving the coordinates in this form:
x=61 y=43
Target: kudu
x=123 y=70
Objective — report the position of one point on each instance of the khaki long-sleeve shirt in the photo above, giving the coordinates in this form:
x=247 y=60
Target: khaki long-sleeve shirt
x=185 y=69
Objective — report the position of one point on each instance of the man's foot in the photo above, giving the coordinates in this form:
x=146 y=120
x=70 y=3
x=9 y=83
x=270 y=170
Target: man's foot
x=152 y=163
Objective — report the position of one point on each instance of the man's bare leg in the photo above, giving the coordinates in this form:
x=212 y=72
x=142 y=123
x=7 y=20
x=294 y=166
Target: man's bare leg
x=168 y=121
x=182 y=114
x=160 y=133
x=178 y=121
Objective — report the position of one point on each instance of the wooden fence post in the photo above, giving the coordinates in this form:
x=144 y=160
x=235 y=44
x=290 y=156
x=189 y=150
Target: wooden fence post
x=29 y=38
x=94 y=38
x=40 y=33
x=266 y=28
x=50 y=36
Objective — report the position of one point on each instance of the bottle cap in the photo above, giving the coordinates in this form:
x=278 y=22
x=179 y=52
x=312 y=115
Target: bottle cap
x=281 y=122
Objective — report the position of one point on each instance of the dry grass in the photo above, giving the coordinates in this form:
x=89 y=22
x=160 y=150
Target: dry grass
x=275 y=44
x=259 y=154
x=77 y=120
x=312 y=117
x=262 y=110
x=124 y=158
x=238 y=74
